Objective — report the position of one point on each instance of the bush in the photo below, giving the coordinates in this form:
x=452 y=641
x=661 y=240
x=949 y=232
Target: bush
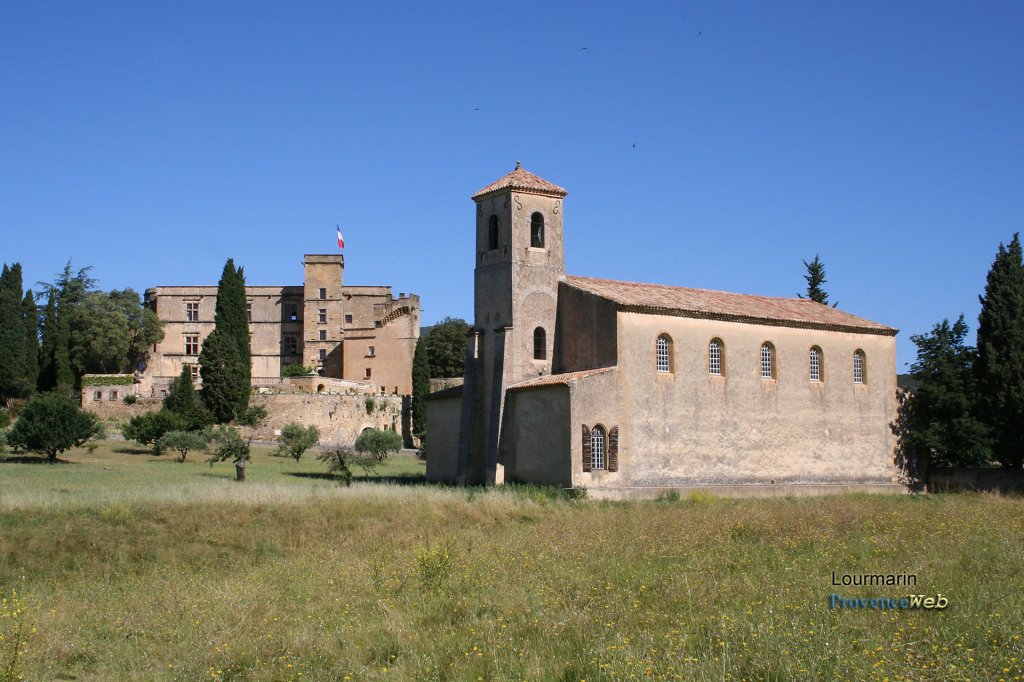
x=52 y=423
x=295 y=439
x=378 y=443
x=147 y=429
x=370 y=404
x=252 y=416
x=131 y=399
x=296 y=371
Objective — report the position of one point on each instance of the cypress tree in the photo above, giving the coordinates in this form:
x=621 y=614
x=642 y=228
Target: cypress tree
x=47 y=367
x=225 y=360
x=64 y=374
x=420 y=388
x=815 y=278
x=12 y=337
x=1000 y=365
x=30 y=321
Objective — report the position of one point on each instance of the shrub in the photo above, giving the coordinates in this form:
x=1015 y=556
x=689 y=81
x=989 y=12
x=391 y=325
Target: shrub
x=378 y=443
x=252 y=416
x=131 y=399
x=370 y=404
x=295 y=439
x=147 y=429
x=296 y=371
x=52 y=423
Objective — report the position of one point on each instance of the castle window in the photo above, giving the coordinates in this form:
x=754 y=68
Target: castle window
x=192 y=312
x=537 y=230
x=663 y=353
x=323 y=294
x=815 y=363
x=348 y=318
x=191 y=344
x=291 y=344
x=248 y=311
x=858 y=367
x=322 y=354
x=194 y=369
x=368 y=373
x=492 y=234
x=97 y=395
x=113 y=395
x=291 y=312
x=597 y=443
x=540 y=344
x=715 y=357
x=322 y=316
x=323 y=335
x=767 y=361
x=371 y=351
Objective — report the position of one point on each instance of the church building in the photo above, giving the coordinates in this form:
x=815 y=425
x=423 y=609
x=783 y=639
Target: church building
x=631 y=389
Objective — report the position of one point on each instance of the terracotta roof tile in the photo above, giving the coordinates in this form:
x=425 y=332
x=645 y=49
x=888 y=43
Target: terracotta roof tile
x=557 y=379
x=525 y=181
x=669 y=300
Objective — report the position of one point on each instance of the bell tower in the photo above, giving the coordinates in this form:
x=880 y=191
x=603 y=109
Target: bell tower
x=520 y=258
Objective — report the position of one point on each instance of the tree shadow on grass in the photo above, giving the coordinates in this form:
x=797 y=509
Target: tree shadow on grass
x=132 y=451
x=401 y=479
x=32 y=459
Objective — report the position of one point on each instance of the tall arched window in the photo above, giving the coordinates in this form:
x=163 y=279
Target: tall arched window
x=663 y=353
x=540 y=344
x=492 y=234
x=814 y=360
x=597 y=448
x=767 y=361
x=859 y=367
x=715 y=363
x=537 y=230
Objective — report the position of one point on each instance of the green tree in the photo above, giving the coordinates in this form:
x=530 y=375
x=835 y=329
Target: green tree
x=184 y=442
x=30 y=321
x=64 y=372
x=938 y=422
x=815 y=278
x=51 y=423
x=231 y=445
x=147 y=429
x=100 y=335
x=183 y=401
x=420 y=389
x=14 y=371
x=295 y=439
x=225 y=361
x=48 y=347
x=446 y=348
x=1000 y=366
x=378 y=443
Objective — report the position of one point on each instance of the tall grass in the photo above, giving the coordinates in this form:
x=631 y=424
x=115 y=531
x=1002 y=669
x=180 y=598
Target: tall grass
x=292 y=578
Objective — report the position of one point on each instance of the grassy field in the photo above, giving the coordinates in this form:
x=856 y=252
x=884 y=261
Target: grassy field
x=124 y=566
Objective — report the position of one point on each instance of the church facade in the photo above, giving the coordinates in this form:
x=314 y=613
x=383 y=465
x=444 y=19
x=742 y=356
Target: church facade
x=631 y=389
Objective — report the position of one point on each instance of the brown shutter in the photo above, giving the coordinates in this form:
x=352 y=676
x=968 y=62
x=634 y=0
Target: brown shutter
x=586 y=448
x=613 y=449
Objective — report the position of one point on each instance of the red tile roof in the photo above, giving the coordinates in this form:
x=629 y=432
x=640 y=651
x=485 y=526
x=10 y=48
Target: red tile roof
x=524 y=181
x=557 y=379
x=660 y=299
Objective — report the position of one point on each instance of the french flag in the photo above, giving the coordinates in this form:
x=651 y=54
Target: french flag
x=341 y=240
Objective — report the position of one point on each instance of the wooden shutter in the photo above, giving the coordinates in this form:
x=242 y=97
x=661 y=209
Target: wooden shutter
x=613 y=449
x=586 y=448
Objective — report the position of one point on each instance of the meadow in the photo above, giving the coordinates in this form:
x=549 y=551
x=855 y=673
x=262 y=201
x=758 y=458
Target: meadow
x=119 y=565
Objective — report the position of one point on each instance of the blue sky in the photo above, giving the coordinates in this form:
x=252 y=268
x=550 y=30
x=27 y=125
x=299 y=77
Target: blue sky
x=155 y=140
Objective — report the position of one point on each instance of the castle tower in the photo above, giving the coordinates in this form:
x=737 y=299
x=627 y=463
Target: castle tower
x=323 y=314
x=520 y=258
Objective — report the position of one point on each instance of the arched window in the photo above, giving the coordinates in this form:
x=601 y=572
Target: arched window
x=537 y=230
x=814 y=360
x=597 y=448
x=715 y=364
x=767 y=361
x=663 y=353
x=540 y=344
x=492 y=234
x=859 y=367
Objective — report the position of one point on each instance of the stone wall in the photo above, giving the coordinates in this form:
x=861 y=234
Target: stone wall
x=340 y=417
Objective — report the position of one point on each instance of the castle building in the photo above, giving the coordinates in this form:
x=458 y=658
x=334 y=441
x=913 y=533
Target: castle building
x=361 y=334
x=631 y=389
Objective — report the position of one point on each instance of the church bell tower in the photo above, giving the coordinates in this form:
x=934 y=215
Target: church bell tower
x=520 y=258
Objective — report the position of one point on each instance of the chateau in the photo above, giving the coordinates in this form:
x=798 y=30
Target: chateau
x=362 y=335
x=630 y=389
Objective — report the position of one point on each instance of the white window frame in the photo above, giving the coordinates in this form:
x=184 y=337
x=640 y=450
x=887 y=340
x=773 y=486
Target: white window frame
x=858 y=367
x=321 y=316
x=663 y=354
x=715 y=357
x=598 y=439
x=191 y=347
x=814 y=360
x=767 y=361
x=191 y=311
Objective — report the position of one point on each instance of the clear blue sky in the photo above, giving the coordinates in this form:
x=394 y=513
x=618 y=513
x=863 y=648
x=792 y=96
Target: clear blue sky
x=155 y=140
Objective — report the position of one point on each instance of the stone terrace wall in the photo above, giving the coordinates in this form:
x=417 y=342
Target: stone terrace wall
x=340 y=418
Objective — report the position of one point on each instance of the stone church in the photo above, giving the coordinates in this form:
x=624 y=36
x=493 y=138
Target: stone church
x=362 y=335
x=631 y=389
